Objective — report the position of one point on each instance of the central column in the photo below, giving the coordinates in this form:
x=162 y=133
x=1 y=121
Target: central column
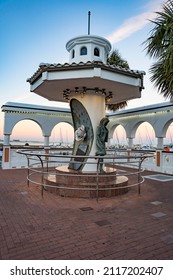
x=94 y=104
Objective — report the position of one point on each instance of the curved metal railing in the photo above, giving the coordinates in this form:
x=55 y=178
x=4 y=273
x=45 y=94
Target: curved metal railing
x=41 y=166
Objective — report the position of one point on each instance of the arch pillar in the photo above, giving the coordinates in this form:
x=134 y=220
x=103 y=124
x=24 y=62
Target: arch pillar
x=46 y=141
x=130 y=145
x=159 y=143
x=6 y=155
x=130 y=142
x=46 y=145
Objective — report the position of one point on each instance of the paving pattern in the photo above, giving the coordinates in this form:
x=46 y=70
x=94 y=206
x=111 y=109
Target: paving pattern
x=125 y=227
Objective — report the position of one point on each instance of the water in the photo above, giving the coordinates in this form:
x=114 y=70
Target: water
x=20 y=160
x=20 y=143
x=24 y=143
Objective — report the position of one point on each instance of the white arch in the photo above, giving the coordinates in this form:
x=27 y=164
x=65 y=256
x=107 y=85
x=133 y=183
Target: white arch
x=8 y=129
x=112 y=128
x=60 y=133
x=45 y=117
x=133 y=127
x=159 y=116
x=62 y=121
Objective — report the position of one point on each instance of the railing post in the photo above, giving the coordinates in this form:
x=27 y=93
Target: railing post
x=139 y=177
x=28 y=172
x=42 y=176
x=47 y=150
x=139 y=174
x=97 y=179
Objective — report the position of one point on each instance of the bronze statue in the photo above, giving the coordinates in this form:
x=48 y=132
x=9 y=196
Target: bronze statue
x=101 y=139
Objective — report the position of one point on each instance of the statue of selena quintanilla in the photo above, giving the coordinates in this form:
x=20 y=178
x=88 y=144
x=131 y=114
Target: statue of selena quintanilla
x=101 y=139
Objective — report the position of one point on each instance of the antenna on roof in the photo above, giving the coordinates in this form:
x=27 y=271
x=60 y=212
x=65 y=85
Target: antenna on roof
x=89 y=14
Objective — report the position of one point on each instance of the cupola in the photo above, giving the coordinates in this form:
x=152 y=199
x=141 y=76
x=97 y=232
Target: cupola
x=88 y=48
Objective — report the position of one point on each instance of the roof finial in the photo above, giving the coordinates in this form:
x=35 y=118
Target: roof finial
x=89 y=14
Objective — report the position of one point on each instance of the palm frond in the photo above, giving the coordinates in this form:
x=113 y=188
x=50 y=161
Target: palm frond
x=116 y=59
x=159 y=46
x=115 y=107
x=162 y=78
x=162 y=32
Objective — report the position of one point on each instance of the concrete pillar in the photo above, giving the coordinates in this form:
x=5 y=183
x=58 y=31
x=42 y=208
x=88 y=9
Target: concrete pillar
x=46 y=146
x=130 y=145
x=46 y=141
x=130 y=142
x=159 y=143
x=6 y=155
x=6 y=139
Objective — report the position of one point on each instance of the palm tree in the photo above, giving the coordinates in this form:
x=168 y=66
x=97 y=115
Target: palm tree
x=160 y=47
x=116 y=59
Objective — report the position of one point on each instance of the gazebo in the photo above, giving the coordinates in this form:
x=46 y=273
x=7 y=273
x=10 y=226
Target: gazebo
x=88 y=83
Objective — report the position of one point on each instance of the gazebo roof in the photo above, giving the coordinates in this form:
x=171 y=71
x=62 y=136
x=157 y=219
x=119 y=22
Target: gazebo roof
x=52 y=80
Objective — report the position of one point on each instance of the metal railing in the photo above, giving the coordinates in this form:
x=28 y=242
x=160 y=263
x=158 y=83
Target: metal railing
x=41 y=168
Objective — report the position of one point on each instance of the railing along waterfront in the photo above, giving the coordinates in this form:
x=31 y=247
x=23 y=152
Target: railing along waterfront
x=42 y=170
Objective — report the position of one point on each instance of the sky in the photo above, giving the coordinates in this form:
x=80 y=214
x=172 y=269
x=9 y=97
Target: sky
x=35 y=31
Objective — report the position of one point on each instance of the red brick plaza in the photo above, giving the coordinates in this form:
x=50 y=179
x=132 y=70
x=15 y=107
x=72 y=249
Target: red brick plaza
x=52 y=227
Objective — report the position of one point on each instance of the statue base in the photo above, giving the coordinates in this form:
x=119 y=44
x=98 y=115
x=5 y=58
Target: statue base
x=79 y=184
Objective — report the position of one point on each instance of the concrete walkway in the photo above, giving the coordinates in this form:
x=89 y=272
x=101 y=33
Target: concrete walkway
x=124 y=227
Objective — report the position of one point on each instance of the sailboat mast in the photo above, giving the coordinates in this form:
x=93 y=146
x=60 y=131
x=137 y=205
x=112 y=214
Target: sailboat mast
x=151 y=144
x=61 y=139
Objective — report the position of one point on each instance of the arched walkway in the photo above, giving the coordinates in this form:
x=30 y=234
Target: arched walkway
x=46 y=117
x=159 y=116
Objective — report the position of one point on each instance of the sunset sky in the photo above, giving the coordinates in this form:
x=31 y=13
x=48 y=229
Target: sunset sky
x=35 y=31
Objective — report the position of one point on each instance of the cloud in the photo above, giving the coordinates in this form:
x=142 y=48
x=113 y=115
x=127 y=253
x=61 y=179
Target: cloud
x=133 y=24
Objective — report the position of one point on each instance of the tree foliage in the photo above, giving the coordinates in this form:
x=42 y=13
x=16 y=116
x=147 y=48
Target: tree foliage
x=159 y=46
x=116 y=59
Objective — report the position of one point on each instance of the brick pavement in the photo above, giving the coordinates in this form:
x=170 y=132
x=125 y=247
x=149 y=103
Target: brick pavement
x=124 y=227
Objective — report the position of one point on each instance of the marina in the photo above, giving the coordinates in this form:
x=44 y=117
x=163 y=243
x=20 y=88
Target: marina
x=20 y=161
x=160 y=116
